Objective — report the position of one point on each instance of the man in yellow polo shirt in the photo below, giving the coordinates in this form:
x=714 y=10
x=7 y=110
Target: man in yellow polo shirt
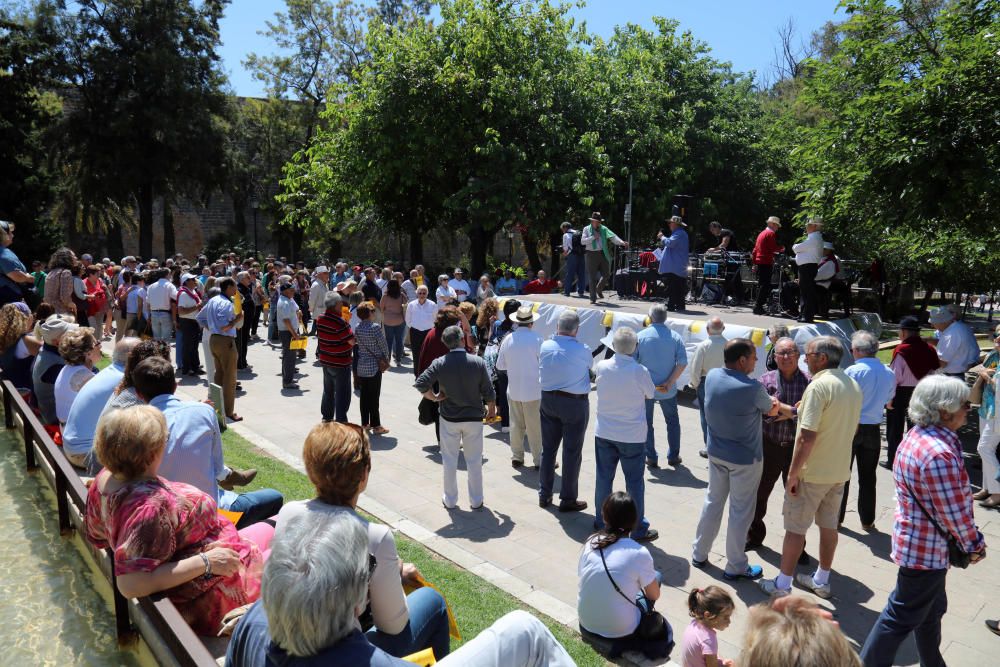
x=821 y=464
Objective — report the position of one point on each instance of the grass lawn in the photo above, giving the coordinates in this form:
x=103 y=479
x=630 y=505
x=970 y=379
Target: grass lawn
x=476 y=603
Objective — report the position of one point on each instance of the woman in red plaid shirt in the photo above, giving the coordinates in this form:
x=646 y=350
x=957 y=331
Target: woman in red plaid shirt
x=928 y=469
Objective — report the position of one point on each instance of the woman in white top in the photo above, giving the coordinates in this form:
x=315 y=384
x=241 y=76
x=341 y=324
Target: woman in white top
x=611 y=558
x=445 y=294
x=485 y=289
x=80 y=349
x=338 y=459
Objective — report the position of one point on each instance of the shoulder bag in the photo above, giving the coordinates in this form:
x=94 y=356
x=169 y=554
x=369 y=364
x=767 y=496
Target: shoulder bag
x=957 y=556
x=652 y=626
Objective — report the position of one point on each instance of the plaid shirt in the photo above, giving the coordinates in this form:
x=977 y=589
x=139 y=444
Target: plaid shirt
x=929 y=460
x=371 y=347
x=788 y=392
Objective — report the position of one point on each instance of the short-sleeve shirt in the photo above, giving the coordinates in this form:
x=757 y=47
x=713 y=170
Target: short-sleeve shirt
x=185 y=300
x=287 y=310
x=132 y=300
x=9 y=262
x=699 y=641
x=831 y=407
x=734 y=404
x=150 y=522
x=600 y=608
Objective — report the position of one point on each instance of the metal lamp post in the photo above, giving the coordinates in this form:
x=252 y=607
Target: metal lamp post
x=255 y=204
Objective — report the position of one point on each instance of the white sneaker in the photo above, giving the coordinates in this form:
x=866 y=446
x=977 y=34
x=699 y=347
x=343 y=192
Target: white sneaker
x=771 y=588
x=505 y=429
x=806 y=582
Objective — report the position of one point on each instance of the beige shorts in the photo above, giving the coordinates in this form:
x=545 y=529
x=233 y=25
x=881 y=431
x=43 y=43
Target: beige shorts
x=815 y=503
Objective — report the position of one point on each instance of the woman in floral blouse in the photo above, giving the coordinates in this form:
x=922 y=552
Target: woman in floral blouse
x=166 y=536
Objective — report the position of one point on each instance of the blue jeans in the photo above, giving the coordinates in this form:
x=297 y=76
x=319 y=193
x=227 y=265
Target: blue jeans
x=701 y=411
x=608 y=454
x=394 y=337
x=916 y=605
x=564 y=419
x=427 y=627
x=576 y=269
x=336 y=393
x=668 y=406
x=162 y=324
x=256 y=506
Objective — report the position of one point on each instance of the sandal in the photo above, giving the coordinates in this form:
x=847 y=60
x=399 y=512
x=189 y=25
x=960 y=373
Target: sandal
x=991 y=502
x=379 y=430
x=982 y=494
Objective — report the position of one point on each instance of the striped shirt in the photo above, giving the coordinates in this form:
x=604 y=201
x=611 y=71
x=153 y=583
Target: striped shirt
x=929 y=464
x=335 y=340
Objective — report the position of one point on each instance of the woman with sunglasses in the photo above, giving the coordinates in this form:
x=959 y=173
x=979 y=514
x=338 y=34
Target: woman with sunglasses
x=989 y=428
x=12 y=272
x=338 y=461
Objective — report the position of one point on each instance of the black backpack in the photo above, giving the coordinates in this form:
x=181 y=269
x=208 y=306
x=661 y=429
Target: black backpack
x=577 y=243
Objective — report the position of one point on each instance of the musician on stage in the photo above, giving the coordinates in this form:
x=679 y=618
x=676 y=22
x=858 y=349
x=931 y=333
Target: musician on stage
x=674 y=262
x=723 y=236
x=764 y=250
x=830 y=281
x=597 y=241
x=807 y=256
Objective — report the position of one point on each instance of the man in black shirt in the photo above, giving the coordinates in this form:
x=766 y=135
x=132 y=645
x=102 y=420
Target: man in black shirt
x=722 y=236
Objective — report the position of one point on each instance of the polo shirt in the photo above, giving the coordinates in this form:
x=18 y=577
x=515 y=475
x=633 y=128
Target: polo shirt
x=287 y=310
x=878 y=386
x=734 y=405
x=506 y=286
x=10 y=262
x=623 y=385
x=78 y=433
x=661 y=350
x=335 y=340
x=465 y=381
x=831 y=408
x=564 y=365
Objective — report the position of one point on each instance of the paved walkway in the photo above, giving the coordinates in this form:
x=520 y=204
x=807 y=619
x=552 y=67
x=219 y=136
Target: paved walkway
x=533 y=552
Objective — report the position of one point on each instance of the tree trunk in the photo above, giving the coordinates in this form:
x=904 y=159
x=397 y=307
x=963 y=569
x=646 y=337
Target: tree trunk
x=478 y=240
x=336 y=247
x=531 y=249
x=239 y=214
x=416 y=247
x=298 y=235
x=145 y=202
x=169 y=239
x=115 y=247
x=555 y=243
x=926 y=301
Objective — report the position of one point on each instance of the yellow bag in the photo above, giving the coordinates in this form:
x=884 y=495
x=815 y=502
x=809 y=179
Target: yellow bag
x=423 y=658
x=452 y=625
x=298 y=344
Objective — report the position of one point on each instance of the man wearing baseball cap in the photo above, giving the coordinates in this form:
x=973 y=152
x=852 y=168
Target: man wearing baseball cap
x=188 y=305
x=288 y=317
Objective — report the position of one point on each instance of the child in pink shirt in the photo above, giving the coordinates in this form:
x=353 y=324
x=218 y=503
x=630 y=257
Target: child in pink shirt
x=711 y=609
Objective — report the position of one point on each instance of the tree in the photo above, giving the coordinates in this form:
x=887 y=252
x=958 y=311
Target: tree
x=904 y=155
x=149 y=108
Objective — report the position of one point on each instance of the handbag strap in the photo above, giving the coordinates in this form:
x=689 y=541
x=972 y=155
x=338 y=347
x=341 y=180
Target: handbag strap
x=601 y=551
x=944 y=533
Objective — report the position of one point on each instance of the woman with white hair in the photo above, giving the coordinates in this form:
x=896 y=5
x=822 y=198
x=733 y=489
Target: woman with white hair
x=933 y=506
x=299 y=622
x=445 y=294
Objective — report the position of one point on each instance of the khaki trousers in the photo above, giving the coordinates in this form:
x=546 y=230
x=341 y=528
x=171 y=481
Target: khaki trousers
x=526 y=419
x=224 y=357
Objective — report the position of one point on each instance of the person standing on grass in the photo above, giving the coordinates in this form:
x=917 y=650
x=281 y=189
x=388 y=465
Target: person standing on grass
x=821 y=464
x=464 y=386
x=734 y=404
x=662 y=352
x=335 y=345
x=878 y=385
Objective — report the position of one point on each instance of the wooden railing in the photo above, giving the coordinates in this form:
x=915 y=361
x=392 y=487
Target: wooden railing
x=155 y=619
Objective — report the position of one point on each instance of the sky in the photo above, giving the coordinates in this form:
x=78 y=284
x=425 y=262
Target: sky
x=743 y=32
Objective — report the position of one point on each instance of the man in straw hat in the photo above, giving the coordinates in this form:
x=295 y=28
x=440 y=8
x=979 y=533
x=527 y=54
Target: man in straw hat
x=674 y=262
x=808 y=254
x=519 y=357
x=764 y=250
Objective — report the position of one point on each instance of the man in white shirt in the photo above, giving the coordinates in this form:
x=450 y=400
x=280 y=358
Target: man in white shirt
x=576 y=269
x=317 y=294
x=708 y=354
x=419 y=317
x=807 y=256
x=162 y=299
x=460 y=286
x=519 y=357
x=623 y=387
x=597 y=241
x=957 y=347
x=188 y=305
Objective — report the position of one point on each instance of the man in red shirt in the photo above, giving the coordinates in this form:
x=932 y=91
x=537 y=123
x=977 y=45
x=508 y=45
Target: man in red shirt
x=541 y=285
x=763 y=254
x=336 y=353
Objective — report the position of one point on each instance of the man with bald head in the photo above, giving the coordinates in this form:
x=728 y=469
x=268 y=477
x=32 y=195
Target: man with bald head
x=78 y=433
x=708 y=355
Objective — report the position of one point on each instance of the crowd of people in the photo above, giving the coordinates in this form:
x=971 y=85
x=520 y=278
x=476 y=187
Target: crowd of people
x=159 y=473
